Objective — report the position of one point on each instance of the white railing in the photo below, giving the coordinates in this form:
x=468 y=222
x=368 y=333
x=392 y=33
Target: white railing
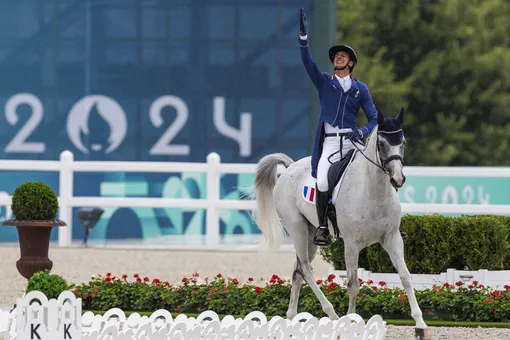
x=37 y=317
x=67 y=166
x=497 y=279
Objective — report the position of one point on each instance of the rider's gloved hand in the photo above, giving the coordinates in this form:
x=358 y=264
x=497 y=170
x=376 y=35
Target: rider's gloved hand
x=302 y=23
x=355 y=136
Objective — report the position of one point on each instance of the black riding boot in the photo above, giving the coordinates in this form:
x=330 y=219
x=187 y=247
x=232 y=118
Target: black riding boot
x=322 y=237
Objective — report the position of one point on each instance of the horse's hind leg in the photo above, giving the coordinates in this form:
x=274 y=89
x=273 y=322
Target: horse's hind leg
x=394 y=246
x=301 y=233
x=297 y=275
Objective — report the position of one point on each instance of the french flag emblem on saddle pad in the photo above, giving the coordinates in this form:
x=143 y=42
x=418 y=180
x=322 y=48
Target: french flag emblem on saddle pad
x=309 y=193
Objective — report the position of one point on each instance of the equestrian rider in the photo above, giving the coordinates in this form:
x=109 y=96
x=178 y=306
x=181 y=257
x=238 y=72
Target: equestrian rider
x=341 y=96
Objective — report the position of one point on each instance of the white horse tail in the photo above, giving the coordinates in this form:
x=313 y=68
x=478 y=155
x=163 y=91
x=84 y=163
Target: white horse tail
x=266 y=215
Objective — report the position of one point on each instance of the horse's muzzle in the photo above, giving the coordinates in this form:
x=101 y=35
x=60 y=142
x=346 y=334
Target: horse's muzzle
x=399 y=182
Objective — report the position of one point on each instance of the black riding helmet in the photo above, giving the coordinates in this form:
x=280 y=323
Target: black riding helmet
x=344 y=48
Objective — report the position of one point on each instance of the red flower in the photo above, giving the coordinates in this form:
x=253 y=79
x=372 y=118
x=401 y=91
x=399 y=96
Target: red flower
x=86 y=296
x=124 y=276
x=275 y=278
x=258 y=290
x=136 y=275
x=496 y=293
x=212 y=291
x=332 y=285
x=195 y=274
x=360 y=281
x=459 y=283
x=475 y=283
x=319 y=282
x=507 y=287
x=146 y=279
x=108 y=279
x=156 y=281
x=93 y=296
x=374 y=287
x=471 y=286
x=219 y=275
x=382 y=283
x=331 y=277
x=494 y=311
x=370 y=282
x=176 y=309
x=108 y=274
x=139 y=280
x=250 y=279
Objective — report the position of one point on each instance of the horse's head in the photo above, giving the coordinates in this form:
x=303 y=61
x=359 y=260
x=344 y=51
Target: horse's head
x=390 y=144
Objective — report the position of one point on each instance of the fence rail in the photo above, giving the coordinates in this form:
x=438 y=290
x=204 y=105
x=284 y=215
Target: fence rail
x=213 y=167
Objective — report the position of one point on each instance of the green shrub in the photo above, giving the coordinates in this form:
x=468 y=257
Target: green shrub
x=34 y=201
x=49 y=284
x=436 y=243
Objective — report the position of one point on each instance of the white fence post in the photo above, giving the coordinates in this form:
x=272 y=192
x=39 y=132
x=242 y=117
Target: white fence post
x=212 y=227
x=65 y=234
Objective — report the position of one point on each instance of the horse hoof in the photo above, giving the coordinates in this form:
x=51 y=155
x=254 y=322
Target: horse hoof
x=422 y=333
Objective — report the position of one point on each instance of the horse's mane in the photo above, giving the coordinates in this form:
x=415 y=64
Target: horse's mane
x=371 y=144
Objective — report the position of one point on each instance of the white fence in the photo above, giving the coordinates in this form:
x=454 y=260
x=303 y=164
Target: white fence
x=36 y=317
x=497 y=279
x=67 y=166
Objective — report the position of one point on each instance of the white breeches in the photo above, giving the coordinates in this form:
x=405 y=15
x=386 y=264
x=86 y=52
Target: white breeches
x=331 y=146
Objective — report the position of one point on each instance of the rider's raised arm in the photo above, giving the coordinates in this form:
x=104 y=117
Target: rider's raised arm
x=369 y=108
x=311 y=67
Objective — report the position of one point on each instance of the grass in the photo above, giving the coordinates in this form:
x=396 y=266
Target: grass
x=430 y=323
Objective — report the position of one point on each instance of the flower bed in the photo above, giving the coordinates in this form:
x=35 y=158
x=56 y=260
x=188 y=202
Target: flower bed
x=459 y=302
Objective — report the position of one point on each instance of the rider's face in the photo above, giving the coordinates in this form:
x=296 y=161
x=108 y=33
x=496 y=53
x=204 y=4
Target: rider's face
x=341 y=59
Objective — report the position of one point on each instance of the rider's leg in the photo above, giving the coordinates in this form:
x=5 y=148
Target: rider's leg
x=330 y=146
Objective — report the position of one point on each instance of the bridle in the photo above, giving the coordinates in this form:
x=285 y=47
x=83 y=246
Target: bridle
x=384 y=162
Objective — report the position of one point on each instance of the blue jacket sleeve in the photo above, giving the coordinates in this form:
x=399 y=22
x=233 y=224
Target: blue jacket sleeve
x=311 y=67
x=370 y=112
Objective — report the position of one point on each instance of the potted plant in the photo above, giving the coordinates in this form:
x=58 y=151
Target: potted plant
x=34 y=207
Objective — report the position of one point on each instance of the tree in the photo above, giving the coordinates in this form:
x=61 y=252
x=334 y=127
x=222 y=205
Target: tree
x=448 y=63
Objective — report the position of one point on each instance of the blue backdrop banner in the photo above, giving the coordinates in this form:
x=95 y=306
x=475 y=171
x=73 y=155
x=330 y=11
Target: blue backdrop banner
x=147 y=80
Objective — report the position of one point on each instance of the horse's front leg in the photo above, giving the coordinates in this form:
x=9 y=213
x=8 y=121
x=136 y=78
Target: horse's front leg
x=351 y=265
x=394 y=246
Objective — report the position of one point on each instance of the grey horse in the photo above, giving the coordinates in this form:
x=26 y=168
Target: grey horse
x=368 y=211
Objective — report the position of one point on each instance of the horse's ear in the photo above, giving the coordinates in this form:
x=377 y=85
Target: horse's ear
x=380 y=117
x=400 y=116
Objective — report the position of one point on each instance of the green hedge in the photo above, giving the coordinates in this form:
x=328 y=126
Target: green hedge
x=228 y=296
x=436 y=243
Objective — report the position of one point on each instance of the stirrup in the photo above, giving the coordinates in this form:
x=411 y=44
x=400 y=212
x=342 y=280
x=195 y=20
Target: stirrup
x=322 y=236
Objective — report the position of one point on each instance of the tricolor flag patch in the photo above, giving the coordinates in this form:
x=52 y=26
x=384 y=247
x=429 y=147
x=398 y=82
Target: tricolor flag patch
x=309 y=193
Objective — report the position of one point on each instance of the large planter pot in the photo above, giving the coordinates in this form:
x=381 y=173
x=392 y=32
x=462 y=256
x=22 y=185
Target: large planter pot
x=34 y=242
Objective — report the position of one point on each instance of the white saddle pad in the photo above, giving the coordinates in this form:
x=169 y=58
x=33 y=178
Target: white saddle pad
x=309 y=192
